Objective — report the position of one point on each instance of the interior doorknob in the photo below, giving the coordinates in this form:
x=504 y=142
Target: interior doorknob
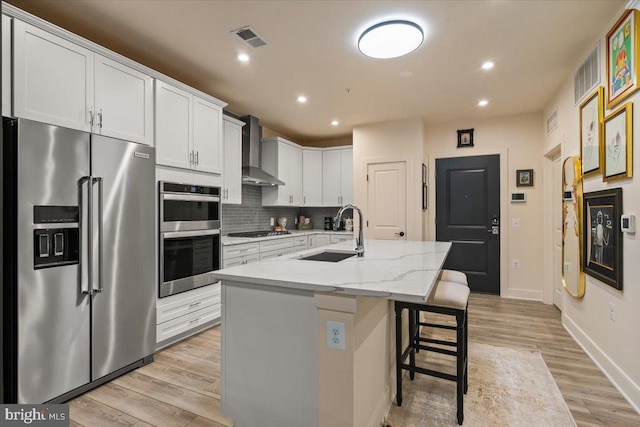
x=401 y=234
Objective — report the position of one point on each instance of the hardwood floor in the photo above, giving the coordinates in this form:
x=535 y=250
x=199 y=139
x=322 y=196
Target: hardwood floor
x=181 y=388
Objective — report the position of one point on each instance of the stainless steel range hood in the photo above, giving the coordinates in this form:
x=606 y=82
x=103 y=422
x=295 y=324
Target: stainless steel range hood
x=252 y=173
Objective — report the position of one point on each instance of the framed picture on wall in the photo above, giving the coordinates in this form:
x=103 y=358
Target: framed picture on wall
x=618 y=143
x=591 y=116
x=465 y=138
x=622 y=58
x=602 y=250
x=524 y=178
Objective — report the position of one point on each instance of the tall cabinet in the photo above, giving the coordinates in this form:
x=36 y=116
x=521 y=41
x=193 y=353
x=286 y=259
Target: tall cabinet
x=232 y=165
x=311 y=177
x=282 y=159
x=337 y=176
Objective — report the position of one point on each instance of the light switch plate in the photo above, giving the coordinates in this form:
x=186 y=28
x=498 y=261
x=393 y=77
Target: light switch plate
x=515 y=222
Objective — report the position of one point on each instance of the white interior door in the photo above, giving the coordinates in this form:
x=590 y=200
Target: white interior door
x=387 y=201
x=558 y=291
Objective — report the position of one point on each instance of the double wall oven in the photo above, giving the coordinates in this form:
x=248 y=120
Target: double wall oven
x=190 y=248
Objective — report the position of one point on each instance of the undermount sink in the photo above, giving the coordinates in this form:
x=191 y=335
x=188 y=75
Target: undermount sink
x=328 y=256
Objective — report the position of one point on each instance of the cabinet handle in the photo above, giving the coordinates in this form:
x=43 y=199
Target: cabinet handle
x=226 y=192
x=304 y=200
x=100 y=119
x=197 y=156
x=191 y=157
x=91 y=117
x=197 y=319
x=195 y=304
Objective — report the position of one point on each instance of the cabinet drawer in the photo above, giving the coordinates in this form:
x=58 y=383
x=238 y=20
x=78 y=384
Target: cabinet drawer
x=243 y=249
x=166 y=330
x=338 y=239
x=300 y=240
x=247 y=259
x=275 y=253
x=270 y=245
x=187 y=302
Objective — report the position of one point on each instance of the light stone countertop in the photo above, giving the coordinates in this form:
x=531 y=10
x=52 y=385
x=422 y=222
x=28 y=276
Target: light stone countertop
x=396 y=270
x=226 y=240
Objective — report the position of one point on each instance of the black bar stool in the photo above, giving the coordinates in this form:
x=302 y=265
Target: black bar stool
x=448 y=298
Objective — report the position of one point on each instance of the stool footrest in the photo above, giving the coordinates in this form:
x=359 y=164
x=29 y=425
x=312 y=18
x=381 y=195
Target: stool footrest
x=430 y=372
x=436 y=325
x=434 y=341
x=438 y=350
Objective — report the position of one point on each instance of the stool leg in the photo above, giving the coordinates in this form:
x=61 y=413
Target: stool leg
x=417 y=329
x=460 y=363
x=412 y=342
x=398 y=354
x=466 y=350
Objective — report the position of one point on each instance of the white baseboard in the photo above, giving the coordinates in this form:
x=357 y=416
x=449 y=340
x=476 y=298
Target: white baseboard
x=625 y=385
x=382 y=408
x=524 y=294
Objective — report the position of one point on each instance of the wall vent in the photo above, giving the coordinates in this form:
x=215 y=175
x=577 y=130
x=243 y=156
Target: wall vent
x=587 y=76
x=250 y=36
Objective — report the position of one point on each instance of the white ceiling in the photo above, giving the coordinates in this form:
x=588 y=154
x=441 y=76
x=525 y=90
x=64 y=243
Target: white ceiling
x=312 y=51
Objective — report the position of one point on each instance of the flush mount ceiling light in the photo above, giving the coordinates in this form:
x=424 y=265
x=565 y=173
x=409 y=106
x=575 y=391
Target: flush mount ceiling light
x=302 y=99
x=334 y=123
x=483 y=103
x=390 y=39
x=488 y=65
x=243 y=57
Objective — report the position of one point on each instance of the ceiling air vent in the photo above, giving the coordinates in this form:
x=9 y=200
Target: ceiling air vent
x=587 y=76
x=250 y=36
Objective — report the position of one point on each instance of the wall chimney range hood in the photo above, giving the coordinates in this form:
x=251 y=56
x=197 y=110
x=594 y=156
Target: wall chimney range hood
x=252 y=173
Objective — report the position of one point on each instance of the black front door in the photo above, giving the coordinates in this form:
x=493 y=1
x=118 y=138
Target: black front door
x=468 y=215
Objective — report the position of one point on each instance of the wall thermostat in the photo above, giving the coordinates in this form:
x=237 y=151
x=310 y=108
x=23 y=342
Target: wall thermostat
x=628 y=223
x=567 y=196
x=518 y=197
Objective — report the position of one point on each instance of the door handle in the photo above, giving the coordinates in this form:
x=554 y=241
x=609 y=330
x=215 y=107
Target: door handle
x=494 y=230
x=88 y=289
x=100 y=236
x=401 y=234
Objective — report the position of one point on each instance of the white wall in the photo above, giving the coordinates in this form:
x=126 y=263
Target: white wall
x=614 y=345
x=400 y=140
x=518 y=139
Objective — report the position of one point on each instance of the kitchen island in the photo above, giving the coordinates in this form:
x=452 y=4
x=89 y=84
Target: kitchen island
x=310 y=343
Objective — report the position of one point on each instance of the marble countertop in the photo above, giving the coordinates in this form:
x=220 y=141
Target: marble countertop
x=396 y=270
x=226 y=240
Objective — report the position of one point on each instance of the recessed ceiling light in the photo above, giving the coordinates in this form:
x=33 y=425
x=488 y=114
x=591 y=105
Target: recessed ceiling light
x=483 y=103
x=334 y=123
x=390 y=39
x=302 y=99
x=488 y=65
x=243 y=57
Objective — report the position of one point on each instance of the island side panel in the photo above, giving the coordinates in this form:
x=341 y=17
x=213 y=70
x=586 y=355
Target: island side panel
x=269 y=356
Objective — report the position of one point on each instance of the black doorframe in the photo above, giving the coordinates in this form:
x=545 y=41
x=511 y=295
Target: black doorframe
x=467 y=210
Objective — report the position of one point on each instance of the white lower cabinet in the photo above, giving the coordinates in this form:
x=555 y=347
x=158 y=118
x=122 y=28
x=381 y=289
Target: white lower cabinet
x=299 y=243
x=245 y=253
x=275 y=248
x=185 y=312
x=336 y=238
x=323 y=240
x=275 y=253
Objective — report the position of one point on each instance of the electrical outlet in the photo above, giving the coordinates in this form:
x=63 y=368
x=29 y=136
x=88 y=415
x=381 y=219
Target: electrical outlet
x=515 y=263
x=272 y=222
x=612 y=311
x=567 y=267
x=335 y=335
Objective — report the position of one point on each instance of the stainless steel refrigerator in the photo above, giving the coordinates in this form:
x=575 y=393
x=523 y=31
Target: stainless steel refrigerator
x=78 y=283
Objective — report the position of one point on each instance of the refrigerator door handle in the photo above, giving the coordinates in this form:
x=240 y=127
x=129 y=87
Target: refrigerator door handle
x=100 y=288
x=86 y=287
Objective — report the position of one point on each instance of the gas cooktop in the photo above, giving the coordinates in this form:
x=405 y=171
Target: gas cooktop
x=260 y=233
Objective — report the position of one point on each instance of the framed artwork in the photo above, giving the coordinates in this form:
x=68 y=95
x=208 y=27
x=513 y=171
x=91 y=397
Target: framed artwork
x=465 y=138
x=524 y=178
x=618 y=143
x=622 y=58
x=602 y=236
x=591 y=116
x=552 y=121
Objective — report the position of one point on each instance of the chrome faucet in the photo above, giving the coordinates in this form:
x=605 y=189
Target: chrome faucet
x=360 y=239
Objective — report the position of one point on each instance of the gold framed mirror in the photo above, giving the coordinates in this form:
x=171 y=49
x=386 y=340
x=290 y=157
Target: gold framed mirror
x=573 y=278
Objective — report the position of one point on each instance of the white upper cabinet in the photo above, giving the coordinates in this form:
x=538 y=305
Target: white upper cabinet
x=174 y=113
x=188 y=130
x=311 y=177
x=283 y=159
x=232 y=166
x=6 y=66
x=207 y=136
x=53 y=79
x=123 y=102
x=337 y=177
x=62 y=83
